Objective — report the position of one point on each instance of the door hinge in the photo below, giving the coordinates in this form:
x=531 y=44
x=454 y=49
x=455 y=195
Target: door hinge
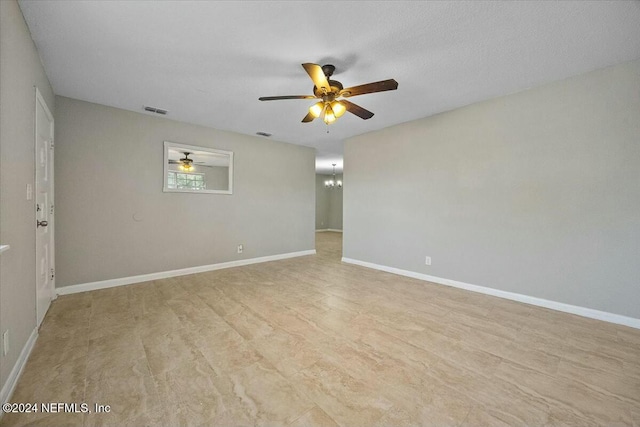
x=51 y=210
x=53 y=274
x=51 y=144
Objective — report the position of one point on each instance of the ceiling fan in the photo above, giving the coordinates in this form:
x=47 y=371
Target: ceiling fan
x=186 y=164
x=332 y=94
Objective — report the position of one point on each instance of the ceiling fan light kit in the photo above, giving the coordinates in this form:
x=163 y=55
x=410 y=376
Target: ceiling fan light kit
x=338 y=108
x=186 y=164
x=331 y=92
x=329 y=117
x=317 y=109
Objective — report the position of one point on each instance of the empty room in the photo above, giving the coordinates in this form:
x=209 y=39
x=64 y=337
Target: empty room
x=319 y=213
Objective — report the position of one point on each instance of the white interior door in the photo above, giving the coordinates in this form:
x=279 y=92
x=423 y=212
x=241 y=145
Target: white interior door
x=45 y=272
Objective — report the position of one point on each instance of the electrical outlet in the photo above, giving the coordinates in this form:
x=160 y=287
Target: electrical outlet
x=240 y=249
x=427 y=260
x=5 y=342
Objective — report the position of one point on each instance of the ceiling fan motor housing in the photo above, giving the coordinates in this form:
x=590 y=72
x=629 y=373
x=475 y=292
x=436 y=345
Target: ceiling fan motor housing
x=186 y=160
x=328 y=70
x=336 y=86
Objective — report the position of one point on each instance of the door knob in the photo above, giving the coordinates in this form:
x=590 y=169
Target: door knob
x=42 y=223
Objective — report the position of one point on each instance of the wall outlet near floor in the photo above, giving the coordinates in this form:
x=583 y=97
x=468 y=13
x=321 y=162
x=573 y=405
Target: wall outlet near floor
x=427 y=260
x=5 y=342
x=240 y=249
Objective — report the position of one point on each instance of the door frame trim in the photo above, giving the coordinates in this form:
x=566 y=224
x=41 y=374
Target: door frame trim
x=40 y=99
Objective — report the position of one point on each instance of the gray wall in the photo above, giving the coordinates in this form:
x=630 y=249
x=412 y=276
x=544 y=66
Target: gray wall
x=20 y=71
x=322 y=203
x=328 y=204
x=335 y=205
x=536 y=193
x=114 y=220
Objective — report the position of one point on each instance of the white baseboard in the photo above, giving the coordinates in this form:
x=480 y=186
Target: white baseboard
x=111 y=283
x=14 y=375
x=553 y=305
x=322 y=230
x=335 y=230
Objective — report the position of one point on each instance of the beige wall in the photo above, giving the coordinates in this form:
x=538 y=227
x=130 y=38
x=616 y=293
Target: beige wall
x=20 y=71
x=536 y=193
x=328 y=204
x=114 y=220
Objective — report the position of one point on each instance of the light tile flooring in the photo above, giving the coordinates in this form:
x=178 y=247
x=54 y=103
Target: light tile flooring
x=310 y=341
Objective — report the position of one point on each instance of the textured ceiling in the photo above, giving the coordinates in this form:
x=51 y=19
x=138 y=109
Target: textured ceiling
x=208 y=62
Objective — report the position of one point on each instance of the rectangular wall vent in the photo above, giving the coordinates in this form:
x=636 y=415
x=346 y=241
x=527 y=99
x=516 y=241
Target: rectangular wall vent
x=155 y=110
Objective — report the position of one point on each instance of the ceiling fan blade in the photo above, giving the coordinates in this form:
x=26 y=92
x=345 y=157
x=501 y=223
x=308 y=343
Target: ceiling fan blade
x=276 y=98
x=173 y=162
x=357 y=110
x=317 y=75
x=308 y=118
x=380 y=86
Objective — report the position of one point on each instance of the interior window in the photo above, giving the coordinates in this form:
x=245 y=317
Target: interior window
x=184 y=180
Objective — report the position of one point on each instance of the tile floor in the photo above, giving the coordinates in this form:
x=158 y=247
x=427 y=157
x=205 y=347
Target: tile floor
x=313 y=342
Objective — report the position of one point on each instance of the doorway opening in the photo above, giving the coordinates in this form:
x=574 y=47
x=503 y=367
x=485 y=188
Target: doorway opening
x=328 y=202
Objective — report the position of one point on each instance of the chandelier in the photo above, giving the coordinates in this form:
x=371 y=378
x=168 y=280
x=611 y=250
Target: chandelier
x=333 y=183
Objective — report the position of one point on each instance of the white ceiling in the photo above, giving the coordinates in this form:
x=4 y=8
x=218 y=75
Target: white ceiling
x=208 y=62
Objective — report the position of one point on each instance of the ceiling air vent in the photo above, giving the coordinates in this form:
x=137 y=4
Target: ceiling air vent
x=265 y=134
x=155 y=110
